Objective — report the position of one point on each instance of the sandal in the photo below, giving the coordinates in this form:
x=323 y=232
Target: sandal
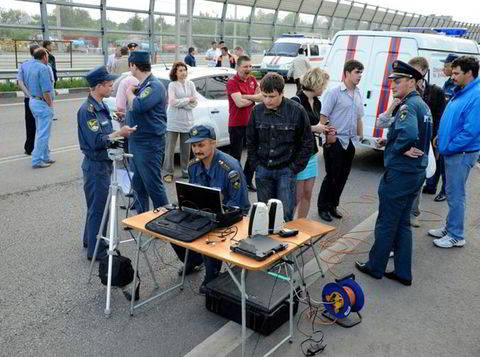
x=168 y=178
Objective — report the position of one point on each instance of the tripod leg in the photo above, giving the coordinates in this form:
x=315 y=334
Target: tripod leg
x=99 y=234
x=112 y=222
x=135 y=272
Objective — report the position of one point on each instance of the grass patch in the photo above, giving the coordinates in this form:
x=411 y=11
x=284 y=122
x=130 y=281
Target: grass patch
x=11 y=86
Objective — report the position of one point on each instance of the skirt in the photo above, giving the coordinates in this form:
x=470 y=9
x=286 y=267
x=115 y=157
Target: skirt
x=309 y=171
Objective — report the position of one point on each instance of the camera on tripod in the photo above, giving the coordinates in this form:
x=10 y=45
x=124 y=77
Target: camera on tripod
x=116 y=143
x=115 y=149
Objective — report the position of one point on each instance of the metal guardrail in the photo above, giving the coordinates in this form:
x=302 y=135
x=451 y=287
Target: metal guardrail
x=9 y=74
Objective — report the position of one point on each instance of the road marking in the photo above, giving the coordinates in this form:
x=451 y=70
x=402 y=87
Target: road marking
x=229 y=337
x=55 y=101
x=14 y=158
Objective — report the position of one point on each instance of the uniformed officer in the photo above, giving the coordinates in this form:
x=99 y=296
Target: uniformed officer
x=94 y=132
x=213 y=168
x=405 y=159
x=449 y=84
x=39 y=83
x=147 y=111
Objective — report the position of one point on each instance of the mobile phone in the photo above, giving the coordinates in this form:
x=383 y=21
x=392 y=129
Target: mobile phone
x=288 y=232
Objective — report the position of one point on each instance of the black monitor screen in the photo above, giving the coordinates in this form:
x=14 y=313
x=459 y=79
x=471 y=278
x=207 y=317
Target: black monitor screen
x=199 y=197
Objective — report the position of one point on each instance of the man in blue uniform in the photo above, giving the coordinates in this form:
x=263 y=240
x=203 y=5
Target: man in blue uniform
x=29 y=119
x=39 y=83
x=213 y=168
x=449 y=84
x=94 y=132
x=147 y=144
x=406 y=159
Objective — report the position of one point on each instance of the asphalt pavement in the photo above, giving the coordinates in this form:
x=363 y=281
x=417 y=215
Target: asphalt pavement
x=47 y=307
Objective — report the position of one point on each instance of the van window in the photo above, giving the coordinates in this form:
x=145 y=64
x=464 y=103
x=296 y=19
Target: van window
x=314 y=50
x=283 y=49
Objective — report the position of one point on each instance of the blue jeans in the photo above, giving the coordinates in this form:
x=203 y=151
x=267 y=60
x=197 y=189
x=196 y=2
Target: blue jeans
x=43 y=115
x=457 y=169
x=96 y=182
x=147 y=172
x=396 y=193
x=280 y=184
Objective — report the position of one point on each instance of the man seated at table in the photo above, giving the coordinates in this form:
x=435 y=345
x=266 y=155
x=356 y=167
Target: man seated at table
x=213 y=168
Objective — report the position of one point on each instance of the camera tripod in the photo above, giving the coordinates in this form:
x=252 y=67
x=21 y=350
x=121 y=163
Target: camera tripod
x=111 y=210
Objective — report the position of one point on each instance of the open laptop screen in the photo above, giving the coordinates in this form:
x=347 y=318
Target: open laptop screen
x=199 y=197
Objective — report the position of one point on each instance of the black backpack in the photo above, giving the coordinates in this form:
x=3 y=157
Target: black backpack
x=122 y=270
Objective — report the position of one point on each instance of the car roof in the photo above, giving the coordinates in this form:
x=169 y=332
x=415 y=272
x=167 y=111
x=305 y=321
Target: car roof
x=162 y=71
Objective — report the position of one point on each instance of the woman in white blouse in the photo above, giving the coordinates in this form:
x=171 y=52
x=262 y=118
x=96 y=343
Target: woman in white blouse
x=182 y=98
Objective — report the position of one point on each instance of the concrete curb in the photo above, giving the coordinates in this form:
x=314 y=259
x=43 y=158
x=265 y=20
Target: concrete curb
x=62 y=91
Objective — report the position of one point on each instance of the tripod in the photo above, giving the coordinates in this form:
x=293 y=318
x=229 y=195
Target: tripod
x=111 y=209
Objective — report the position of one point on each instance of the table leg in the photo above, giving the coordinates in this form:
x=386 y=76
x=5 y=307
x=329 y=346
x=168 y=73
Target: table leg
x=135 y=272
x=244 y=312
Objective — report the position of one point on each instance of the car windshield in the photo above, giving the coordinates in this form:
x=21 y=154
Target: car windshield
x=284 y=49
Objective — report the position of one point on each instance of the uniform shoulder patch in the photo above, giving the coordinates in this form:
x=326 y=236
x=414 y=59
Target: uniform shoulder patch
x=234 y=178
x=146 y=92
x=90 y=108
x=224 y=165
x=192 y=161
x=93 y=125
x=403 y=112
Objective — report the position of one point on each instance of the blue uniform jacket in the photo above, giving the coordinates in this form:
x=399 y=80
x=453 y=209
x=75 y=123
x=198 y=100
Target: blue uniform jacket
x=412 y=127
x=225 y=174
x=190 y=60
x=148 y=110
x=94 y=126
x=460 y=124
x=448 y=88
x=37 y=79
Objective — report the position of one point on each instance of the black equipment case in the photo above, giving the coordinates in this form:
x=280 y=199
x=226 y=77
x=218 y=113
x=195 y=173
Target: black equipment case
x=267 y=304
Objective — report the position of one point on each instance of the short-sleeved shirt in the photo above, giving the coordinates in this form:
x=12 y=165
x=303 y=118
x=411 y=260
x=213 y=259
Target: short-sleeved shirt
x=240 y=116
x=38 y=79
x=226 y=174
x=22 y=70
x=343 y=111
x=121 y=97
x=212 y=53
x=94 y=126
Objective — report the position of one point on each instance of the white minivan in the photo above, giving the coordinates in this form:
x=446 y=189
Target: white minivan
x=376 y=50
x=280 y=56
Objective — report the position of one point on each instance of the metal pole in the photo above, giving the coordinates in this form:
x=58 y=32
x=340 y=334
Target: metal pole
x=151 y=32
x=190 y=23
x=44 y=19
x=71 y=54
x=177 y=30
x=16 y=53
x=103 y=19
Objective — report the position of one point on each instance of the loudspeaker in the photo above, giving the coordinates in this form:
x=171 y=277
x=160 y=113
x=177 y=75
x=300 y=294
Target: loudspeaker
x=275 y=215
x=258 y=222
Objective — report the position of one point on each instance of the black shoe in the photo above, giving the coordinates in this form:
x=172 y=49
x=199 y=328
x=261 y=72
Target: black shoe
x=393 y=276
x=190 y=269
x=325 y=216
x=27 y=153
x=202 y=290
x=251 y=188
x=365 y=269
x=334 y=213
x=428 y=192
x=440 y=197
x=85 y=245
x=130 y=194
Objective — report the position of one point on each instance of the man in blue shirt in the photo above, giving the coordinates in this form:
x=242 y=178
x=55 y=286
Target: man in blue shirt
x=213 y=168
x=39 y=83
x=406 y=159
x=29 y=119
x=459 y=143
x=94 y=133
x=147 y=111
x=190 y=58
x=449 y=84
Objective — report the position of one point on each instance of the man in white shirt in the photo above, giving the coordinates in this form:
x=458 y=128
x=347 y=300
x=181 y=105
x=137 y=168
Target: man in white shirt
x=211 y=55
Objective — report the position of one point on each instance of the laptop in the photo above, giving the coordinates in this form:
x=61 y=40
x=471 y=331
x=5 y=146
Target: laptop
x=199 y=199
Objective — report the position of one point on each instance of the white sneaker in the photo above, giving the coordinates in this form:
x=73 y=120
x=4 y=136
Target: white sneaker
x=448 y=242
x=438 y=233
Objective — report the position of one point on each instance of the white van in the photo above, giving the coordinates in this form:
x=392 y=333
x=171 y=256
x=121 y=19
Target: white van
x=376 y=50
x=280 y=56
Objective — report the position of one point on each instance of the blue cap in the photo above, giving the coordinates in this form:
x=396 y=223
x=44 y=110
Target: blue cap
x=201 y=132
x=98 y=75
x=450 y=58
x=401 y=69
x=139 y=57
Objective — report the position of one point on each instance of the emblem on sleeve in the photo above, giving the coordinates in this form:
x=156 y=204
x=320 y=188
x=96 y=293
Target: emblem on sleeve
x=146 y=92
x=93 y=125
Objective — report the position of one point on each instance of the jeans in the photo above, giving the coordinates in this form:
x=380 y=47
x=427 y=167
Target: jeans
x=396 y=193
x=237 y=139
x=338 y=162
x=280 y=184
x=171 y=141
x=457 y=169
x=147 y=167
x=43 y=115
x=96 y=182
x=29 y=127
x=439 y=172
